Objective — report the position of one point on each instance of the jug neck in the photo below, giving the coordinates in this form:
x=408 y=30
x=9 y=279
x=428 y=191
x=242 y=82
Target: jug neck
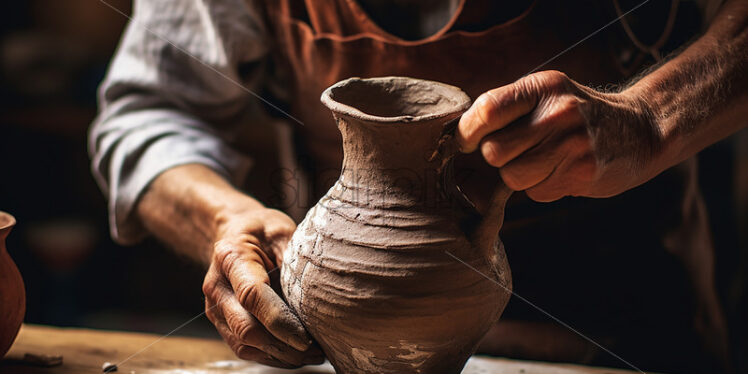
x=390 y=148
x=390 y=128
x=391 y=156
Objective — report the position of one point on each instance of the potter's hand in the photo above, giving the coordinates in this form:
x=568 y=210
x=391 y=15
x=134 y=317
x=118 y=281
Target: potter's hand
x=553 y=137
x=248 y=313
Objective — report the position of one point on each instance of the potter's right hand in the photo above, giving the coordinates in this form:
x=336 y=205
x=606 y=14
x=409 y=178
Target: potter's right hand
x=250 y=316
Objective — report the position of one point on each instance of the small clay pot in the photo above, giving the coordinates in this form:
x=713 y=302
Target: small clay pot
x=12 y=292
x=392 y=271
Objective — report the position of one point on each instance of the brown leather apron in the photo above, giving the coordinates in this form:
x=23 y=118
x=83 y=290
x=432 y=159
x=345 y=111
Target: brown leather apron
x=632 y=272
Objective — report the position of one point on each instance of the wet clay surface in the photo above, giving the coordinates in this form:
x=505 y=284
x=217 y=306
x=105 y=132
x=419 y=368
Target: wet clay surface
x=84 y=351
x=371 y=271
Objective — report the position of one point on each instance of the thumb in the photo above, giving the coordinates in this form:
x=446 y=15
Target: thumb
x=494 y=110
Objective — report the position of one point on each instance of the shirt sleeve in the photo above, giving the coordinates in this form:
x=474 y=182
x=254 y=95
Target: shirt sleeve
x=173 y=96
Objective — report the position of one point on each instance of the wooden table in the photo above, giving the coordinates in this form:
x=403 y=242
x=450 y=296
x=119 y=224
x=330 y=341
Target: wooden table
x=84 y=351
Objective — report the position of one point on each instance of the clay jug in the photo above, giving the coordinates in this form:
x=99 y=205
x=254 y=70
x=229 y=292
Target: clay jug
x=393 y=271
x=12 y=293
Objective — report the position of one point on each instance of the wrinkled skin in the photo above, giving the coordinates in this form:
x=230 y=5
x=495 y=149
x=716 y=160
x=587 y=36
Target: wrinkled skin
x=553 y=137
x=239 y=241
x=247 y=312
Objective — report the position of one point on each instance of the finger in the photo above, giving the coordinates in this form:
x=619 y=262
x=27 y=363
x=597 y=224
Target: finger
x=212 y=311
x=250 y=283
x=493 y=110
x=533 y=166
x=222 y=307
x=506 y=144
x=262 y=344
x=250 y=332
x=214 y=289
x=574 y=176
x=246 y=352
x=559 y=184
x=553 y=187
x=213 y=285
x=550 y=117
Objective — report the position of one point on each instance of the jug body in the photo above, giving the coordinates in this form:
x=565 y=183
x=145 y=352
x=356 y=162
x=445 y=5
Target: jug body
x=383 y=271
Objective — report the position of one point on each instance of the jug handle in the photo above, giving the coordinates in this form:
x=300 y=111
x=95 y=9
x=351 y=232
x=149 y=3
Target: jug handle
x=484 y=234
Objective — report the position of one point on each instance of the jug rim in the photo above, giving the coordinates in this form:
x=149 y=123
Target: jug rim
x=6 y=221
x=461 y=100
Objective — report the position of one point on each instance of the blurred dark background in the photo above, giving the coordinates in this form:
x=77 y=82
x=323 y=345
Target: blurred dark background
x=53 y=54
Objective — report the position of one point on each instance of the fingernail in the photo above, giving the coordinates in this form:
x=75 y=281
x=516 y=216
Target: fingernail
x=467 y=123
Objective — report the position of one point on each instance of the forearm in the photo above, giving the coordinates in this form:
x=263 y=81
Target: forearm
x=700 y=96
x=184 y=206
x=171 y=98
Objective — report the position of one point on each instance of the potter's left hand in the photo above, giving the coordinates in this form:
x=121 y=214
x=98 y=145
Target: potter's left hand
x=553 y=137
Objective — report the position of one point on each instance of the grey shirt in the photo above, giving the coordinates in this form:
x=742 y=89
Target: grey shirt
x=173 y=96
